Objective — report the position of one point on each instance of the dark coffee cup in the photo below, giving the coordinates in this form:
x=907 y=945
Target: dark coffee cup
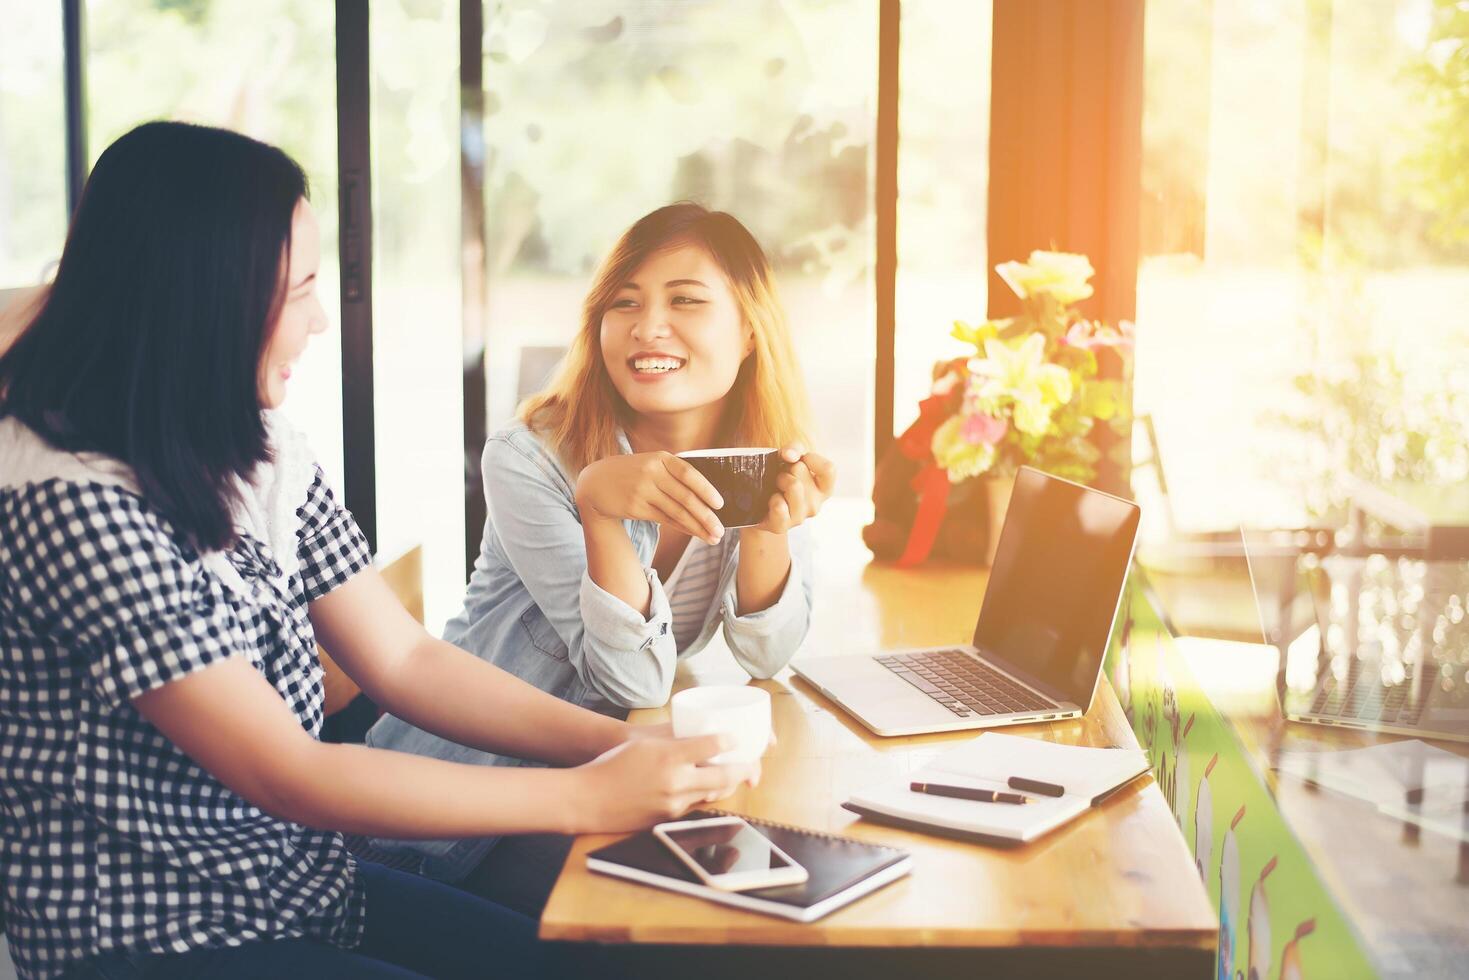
x=745 y=478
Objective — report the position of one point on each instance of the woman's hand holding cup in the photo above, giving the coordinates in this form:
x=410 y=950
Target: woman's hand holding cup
x=800 y=491
x=740 y=713
x=657 y=487
x=644 y=781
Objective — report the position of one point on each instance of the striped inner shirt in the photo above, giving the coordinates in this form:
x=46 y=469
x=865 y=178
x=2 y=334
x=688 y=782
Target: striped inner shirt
x=691 y=589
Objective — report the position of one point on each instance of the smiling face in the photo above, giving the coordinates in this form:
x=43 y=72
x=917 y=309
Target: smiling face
x=673 y=338
x=301 y=313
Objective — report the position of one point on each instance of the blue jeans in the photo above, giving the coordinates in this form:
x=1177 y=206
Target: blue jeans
x=415 y=927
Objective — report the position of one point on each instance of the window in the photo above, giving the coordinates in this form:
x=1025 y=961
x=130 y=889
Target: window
x=266 y=68
x=1306 y=264
x=417 y=340
x=943 y=182
x=598 y=113
x=33 y=207
x=595 y=113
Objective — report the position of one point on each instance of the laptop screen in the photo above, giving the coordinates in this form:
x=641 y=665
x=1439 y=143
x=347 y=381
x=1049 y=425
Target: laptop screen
x=1056 y=582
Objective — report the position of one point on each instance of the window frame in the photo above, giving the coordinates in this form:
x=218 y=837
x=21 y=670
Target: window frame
x=1043 y=37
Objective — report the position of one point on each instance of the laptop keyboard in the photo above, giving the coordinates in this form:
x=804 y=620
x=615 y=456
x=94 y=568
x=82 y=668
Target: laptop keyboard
x=1364 y=697
x=962 y=684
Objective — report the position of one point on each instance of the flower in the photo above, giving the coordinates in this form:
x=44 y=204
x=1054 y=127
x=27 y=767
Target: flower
x=958 y=456
x=1031 y=391
x=1020 y=374
x=1062 y=275
x=980 y=427
x=977 y=335
x=1090 y=334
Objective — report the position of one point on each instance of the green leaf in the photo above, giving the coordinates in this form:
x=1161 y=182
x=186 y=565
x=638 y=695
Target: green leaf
x=1100 y=399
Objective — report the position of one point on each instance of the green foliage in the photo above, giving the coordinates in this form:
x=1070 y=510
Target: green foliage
x=599 y=111
x=1440 y=167
x=1364 y=416
x=1379 y=150
x=193 y=11
x=263 y=67
x=1368 y=406
x=1100 y=399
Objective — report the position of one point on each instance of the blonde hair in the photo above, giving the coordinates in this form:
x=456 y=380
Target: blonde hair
x=579 y=411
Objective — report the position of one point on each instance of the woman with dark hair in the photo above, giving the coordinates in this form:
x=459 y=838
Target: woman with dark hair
x=169 y=555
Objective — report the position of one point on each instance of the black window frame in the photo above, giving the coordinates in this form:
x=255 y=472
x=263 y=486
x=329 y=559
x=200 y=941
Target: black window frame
x=1032 y=39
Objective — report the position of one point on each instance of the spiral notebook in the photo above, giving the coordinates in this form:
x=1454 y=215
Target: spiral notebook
x=840 y=869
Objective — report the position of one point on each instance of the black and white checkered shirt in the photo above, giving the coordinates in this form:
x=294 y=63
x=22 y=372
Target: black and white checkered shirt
x=110 y=837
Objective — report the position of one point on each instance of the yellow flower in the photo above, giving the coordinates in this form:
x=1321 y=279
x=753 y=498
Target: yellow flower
x=1021 y=374
x=1055 y=384
x=958 y=456
x=1032 y=416
x=1063 y=275
x=977 y=335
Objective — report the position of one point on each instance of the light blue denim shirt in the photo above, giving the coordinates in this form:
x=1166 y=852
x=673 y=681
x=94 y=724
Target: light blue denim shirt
x=533 y=610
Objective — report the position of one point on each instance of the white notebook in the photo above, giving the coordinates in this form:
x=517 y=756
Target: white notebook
x=1084 y=776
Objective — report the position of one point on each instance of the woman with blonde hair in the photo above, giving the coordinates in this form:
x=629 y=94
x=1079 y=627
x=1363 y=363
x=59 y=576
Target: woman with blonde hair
x=603 y=562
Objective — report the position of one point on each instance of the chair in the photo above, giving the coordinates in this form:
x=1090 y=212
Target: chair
x=1215 y=583
x=349 y=713
x=17 y=306
x=537 y=365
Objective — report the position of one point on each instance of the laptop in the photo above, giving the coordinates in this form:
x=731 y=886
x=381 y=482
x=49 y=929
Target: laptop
x=1043 y=628
x=1402 y=671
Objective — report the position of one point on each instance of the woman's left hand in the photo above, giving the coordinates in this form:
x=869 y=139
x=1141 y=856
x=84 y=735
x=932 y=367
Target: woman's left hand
x=803 y=488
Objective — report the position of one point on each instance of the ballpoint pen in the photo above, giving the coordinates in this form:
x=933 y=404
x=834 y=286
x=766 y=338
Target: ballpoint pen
x=967 y=793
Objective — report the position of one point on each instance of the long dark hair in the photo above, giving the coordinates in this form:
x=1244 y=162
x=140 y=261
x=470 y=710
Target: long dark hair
x=147 y=348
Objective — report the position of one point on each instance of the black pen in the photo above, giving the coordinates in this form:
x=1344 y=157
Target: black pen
x=966 y=793
x=1036 y=786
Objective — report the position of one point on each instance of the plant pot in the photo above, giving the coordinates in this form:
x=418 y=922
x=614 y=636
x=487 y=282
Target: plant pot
x=997 y=490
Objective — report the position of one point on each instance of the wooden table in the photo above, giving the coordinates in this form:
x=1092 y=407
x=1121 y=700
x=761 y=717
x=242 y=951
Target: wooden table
x=1116 y=891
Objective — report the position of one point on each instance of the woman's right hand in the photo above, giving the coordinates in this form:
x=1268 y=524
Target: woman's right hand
x=657 y=487
x=645 y=781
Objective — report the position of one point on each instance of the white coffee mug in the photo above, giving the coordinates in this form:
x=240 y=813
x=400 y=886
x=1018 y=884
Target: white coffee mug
x=743 y=713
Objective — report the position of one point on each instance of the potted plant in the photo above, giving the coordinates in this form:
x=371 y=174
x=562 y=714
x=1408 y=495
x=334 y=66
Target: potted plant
x=1032 y=392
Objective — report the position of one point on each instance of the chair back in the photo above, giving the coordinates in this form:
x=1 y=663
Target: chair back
x=17 y=306
x=537 y=364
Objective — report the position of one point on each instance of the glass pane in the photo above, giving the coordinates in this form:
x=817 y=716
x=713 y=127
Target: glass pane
x=32 y=143
x=266 y=68
x=417 y=339
x=943 y=183
x=600 y=112
x=1306 y=271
